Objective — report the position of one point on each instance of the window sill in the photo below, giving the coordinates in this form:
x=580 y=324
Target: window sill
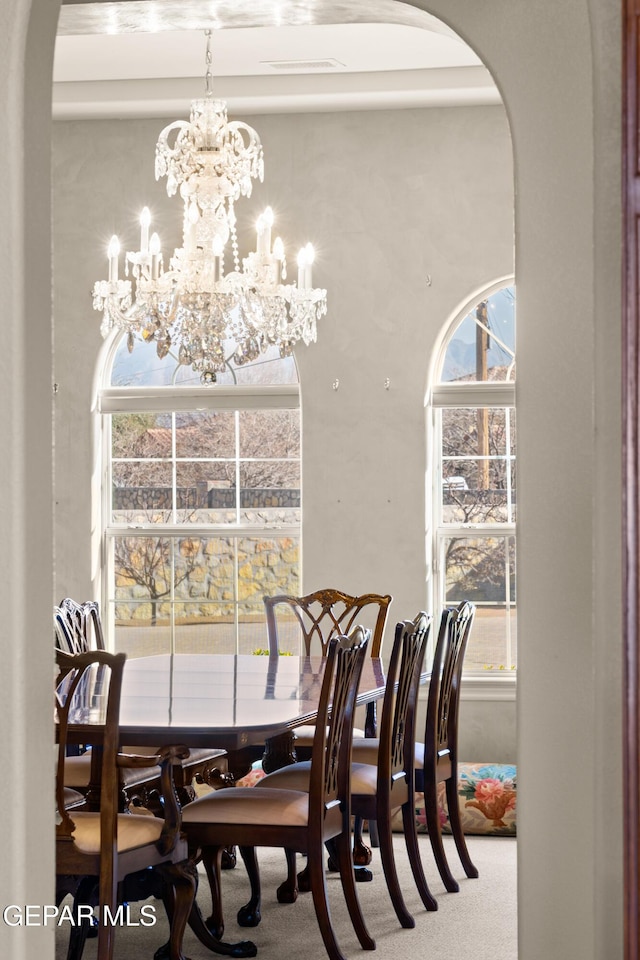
x=496 y=688
x=491 y=687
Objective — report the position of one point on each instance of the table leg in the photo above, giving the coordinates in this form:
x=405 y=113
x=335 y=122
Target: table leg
x=242 y=948
x=239 y=764
x=279 y=752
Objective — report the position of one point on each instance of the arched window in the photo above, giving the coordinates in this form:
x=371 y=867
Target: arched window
x=201 y=500
x=474 y=501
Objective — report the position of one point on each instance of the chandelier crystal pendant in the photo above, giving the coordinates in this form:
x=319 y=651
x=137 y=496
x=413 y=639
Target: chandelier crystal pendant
x=194 y=306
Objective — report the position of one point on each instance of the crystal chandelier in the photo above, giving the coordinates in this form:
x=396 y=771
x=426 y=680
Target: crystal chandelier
x=194 y=306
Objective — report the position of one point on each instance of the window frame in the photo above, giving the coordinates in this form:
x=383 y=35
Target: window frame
x=173 y=398
x=489 y=685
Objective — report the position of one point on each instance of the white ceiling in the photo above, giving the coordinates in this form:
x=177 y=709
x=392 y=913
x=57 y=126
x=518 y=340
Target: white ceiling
x=151 y=62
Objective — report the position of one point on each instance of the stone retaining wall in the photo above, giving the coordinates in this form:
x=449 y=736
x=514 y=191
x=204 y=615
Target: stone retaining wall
x=202 y=496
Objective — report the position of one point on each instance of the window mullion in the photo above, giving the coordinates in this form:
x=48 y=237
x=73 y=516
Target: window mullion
x=507 y=427
x=237 y=464
x=507 y=603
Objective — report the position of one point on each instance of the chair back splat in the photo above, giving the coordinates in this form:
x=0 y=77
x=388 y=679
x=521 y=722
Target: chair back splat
x=440 y=750
x=383 y=771
x=397 y=731
x=323 y=615
x=331 y=754
x=313 y=621
x=441 y=732
x=78 y=626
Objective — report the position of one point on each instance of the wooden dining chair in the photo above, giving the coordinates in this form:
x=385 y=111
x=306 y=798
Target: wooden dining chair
x=382 y=775
x=98 y=852
x=316 y=618
x=298 y=821
x=437 y=758
x=78 y=627
x=322 y=615
x=382 y=772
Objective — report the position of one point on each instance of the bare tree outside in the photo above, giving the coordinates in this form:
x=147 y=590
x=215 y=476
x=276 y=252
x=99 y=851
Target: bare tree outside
x=147 y=562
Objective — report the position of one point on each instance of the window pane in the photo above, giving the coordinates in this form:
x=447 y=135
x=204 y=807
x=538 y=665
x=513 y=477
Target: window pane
x=206 y=433
x=275 y=431
x=206 y=492
x=205 y=628
x=483 y=345
x=205 y=570
x=143 y=568
x=270 y=492
x=136 y=635
x=143 y=367
x=478 y=465
x=141 y=435
x=270 y=367
x=142 y=491
x=183 y=591
x=487 y=652
x=482 y=570
x=477 y=431
x=266 y=567
x=464 y=500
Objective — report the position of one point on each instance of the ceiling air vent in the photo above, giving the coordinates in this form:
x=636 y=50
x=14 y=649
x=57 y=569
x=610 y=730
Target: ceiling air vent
x=329 y=64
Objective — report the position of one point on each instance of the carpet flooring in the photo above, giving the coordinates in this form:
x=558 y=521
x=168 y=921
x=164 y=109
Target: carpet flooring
x=480 y=921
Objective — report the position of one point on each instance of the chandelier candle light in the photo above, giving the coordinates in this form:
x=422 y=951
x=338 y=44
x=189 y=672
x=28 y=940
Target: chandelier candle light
x=194 y=306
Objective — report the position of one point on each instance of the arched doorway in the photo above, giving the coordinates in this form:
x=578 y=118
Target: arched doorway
x=556 y=211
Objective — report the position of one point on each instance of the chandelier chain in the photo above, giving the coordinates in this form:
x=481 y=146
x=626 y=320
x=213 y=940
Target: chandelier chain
x=208 y=59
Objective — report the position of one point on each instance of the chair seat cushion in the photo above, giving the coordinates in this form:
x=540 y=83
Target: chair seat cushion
x=77 y=772
x=72 y=798
x=250 y=805
x=364 y=778
x=196 y=754
x=295 y=776
x=365 y=750
x=304 y=735
x=202 y=754
x=133 y=831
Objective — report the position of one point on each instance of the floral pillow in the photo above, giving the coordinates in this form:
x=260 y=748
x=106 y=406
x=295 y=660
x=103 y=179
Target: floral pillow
x=254 y=776
x=486 y=800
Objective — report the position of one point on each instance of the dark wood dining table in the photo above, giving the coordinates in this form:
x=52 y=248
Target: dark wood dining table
x=227 y=701
x=237 y=702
